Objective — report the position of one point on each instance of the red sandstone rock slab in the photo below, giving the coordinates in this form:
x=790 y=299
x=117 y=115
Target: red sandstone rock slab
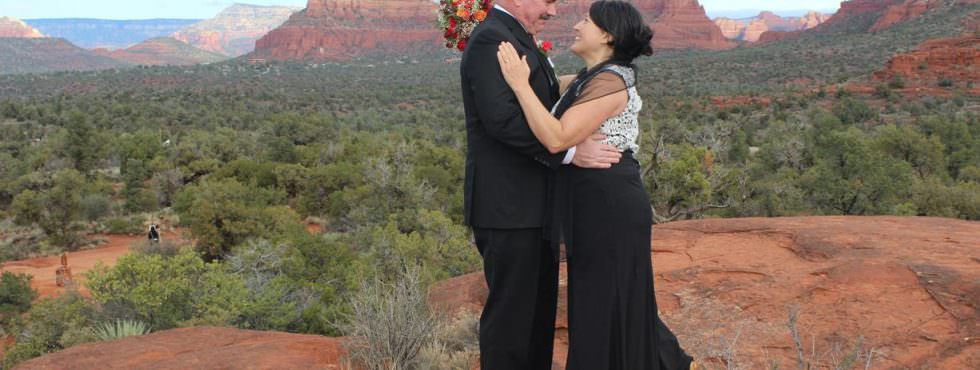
x=908 y=285
x=200 y=348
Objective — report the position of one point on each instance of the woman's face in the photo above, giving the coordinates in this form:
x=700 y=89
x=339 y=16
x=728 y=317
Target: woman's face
x=589 y=38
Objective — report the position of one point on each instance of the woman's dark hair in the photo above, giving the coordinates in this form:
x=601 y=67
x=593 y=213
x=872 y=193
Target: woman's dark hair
x=631 y=35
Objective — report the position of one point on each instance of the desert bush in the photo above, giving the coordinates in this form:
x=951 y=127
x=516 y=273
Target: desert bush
x=130 y=225
x=390 y=324
x=53 y=324
x=456 y=344
x=95 y=206
x=54 y=209
x=168 y=291
x=442 y=248
x=165 y=247
x=118 y=329
x=16 y=296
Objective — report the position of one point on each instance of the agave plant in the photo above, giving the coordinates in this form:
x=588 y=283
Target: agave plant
x=120 y=329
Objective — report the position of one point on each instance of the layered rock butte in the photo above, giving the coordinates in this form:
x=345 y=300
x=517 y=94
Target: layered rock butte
x=677 y=24
x=345 y=29
x=907 y=285
x=233 y=31
x=13 y=27
x=752 y=28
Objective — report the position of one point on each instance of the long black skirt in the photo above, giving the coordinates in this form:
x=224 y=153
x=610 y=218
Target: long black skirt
x=612 y=311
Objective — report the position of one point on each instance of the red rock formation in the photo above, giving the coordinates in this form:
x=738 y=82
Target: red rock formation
x=752 y=29
x=955 y=59
x=848 y=9
x=906 y=284
x=733 y=29
x=344 y=29
x=773 y=36
x=908 y=10
x=13 y=27
x=233 y=32
x=853 y=8
x=683 y=24
x=162 y=51
x=813 y=19
x=200 y=348
x=902 y=12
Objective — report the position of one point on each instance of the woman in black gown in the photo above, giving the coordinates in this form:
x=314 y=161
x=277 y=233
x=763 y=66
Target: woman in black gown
x=604 y=214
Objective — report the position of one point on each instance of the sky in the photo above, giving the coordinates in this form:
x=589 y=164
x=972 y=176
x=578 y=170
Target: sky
x=201 y=9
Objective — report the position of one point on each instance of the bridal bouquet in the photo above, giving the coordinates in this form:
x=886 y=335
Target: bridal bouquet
x=458 y=18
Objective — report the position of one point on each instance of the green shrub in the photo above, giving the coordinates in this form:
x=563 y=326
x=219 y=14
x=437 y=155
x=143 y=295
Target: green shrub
x=95 y=206
x=16 y=293
x=120 y=329
x=946 y=82
x=168 y=291
x=51 y=325
x=124 y=225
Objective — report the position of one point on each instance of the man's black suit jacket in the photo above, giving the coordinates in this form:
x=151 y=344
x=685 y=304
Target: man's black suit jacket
x=507 y=168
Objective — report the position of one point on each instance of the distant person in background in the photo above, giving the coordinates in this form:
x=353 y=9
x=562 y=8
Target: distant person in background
x=154 y=236
x=604 y=214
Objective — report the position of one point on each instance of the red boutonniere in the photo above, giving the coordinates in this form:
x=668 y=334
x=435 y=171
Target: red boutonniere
x=545 y=47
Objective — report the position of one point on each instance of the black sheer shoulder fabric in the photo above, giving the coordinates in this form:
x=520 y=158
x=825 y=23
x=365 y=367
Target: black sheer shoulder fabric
x=621 y=130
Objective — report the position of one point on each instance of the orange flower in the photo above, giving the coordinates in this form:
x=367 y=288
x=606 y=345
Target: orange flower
x=463 y=13
x=480 y=15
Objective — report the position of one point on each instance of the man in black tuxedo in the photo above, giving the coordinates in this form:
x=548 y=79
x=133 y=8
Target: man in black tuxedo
x=506 y=189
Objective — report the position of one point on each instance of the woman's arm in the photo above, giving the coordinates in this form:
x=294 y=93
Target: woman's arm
x=576 y=124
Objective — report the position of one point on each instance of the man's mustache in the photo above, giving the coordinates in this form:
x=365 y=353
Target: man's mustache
x=546 y=17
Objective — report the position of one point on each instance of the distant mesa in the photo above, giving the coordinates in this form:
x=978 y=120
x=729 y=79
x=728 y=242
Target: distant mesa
x=233 y=31
x=162 y=51
x=41 y=55
x=109 y=34
x=13 y=27
x=751 y=29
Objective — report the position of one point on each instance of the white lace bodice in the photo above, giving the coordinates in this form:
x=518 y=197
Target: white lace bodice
x=623 y=130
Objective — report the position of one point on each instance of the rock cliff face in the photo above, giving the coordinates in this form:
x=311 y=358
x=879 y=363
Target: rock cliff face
x=162 y=51
x=233 y=32
x=908 y=10
x=853 y=8
x=344 y=29
x=751 y=29
x=13 y=27
x=951 y=62
x=677 y=24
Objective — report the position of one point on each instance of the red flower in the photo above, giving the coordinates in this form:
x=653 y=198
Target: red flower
x=546 y=46
x=461 y=45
